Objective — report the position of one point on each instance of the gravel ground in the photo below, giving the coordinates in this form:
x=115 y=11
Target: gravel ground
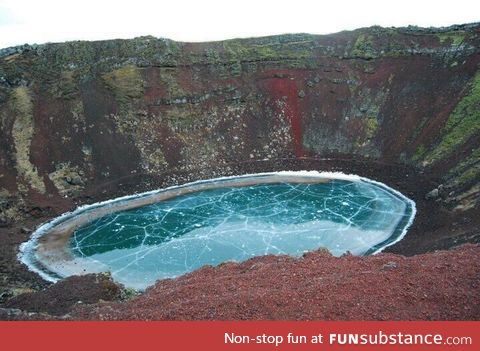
x=443 y=285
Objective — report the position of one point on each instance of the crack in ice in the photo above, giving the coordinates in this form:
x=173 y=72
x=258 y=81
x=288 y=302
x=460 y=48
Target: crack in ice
x=184 y=232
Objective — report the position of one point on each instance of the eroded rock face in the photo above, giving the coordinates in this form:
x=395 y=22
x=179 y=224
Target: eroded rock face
x=78 y=114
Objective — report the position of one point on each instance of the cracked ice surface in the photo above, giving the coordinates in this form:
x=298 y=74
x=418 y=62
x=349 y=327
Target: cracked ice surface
x=181 y=234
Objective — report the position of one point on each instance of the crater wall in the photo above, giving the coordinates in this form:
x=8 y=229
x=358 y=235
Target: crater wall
x=77 y=115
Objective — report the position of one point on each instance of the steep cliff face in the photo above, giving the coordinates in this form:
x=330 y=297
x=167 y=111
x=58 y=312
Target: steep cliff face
x=78 y=114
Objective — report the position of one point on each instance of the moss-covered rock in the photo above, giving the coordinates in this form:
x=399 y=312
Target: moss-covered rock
x=69 y=180
x=126 y=83
x=21 y=106
x=463 y=123
x=363 y=46
x=454 y=38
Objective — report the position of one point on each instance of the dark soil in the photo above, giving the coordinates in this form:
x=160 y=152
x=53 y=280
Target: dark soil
x=59 y=298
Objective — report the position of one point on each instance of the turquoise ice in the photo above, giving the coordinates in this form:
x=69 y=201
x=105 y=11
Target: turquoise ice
x=181 y=234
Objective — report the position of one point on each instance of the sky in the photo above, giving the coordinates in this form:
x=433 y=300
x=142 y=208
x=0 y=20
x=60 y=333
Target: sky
x=40 y=21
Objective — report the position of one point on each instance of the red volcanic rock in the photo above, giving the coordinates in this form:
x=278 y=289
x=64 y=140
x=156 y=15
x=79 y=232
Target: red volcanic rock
x=442 y=285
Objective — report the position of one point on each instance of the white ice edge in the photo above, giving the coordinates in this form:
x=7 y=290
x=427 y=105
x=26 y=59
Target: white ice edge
x=26 y=253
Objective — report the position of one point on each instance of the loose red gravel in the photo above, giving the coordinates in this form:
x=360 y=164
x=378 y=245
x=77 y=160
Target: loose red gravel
x=443 y=285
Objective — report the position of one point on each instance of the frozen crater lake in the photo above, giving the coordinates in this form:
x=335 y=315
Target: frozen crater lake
x=165 y=233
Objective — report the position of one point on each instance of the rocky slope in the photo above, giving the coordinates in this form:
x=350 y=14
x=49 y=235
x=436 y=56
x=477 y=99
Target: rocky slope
x=439 y=286
x=83 y=121
x=442 y=285
x=78 y=114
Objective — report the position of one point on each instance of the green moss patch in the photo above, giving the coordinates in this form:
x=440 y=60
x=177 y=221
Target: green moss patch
x=466 y=171
x=454 y=38
x=22 y=132
x=126 y=82
x=363 y=46
x=463 y=123
x=240 y=50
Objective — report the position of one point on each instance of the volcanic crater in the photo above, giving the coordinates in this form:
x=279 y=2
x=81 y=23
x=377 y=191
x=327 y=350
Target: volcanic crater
x=83 y=122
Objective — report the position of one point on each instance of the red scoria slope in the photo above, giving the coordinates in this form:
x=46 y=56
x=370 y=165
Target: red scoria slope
x=443 y=285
